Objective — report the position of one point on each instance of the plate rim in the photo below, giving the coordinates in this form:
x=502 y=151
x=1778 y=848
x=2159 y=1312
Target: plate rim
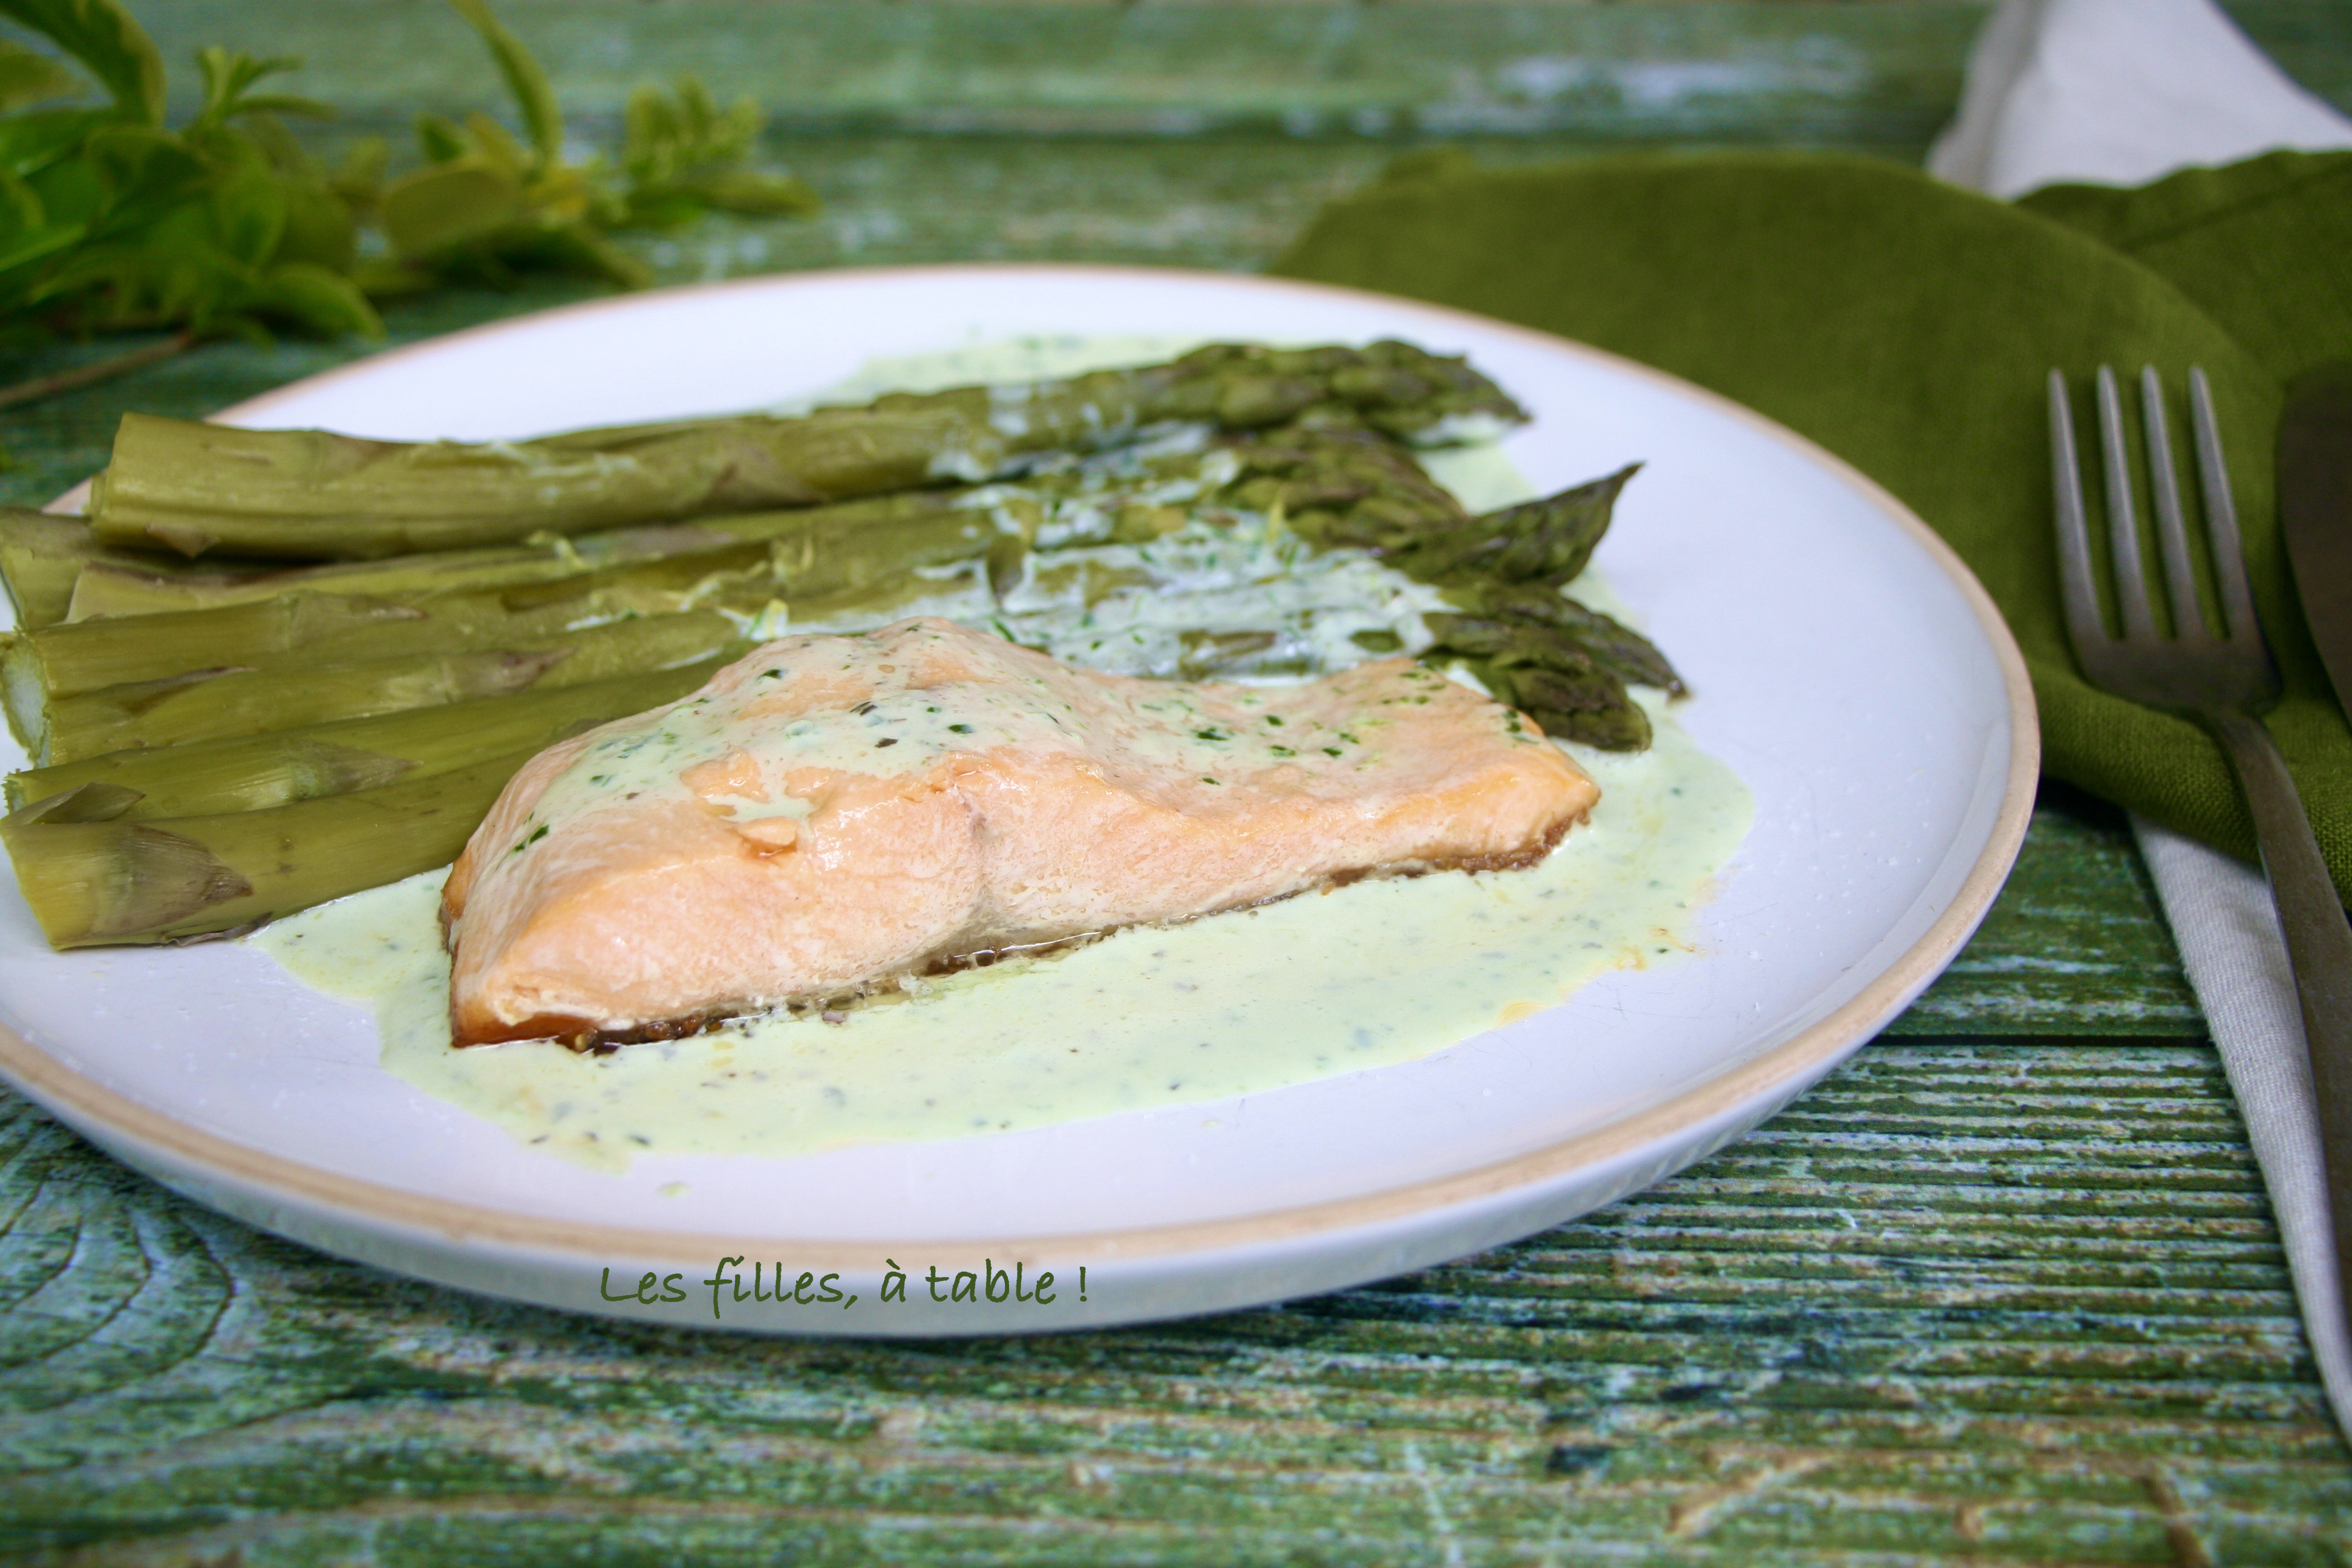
x=106 y=1114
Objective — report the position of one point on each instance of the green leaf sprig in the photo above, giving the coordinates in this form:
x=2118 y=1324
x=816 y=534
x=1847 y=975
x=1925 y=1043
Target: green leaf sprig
x=110 y=219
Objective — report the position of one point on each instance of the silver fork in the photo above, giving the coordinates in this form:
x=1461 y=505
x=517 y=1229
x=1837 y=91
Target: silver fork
x=2222 y=682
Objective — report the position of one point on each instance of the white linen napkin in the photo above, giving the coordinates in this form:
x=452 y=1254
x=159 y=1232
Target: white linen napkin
x=2119 y=92
x=2122 y=92
x=2228 y=929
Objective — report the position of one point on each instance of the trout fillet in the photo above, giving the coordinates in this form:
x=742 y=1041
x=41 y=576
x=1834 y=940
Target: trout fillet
x=832 y=813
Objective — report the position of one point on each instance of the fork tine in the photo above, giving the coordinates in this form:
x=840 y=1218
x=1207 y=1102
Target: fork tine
x=2084 y=626
x=2222 y=516
x=2123 y=527
x=2171 y=535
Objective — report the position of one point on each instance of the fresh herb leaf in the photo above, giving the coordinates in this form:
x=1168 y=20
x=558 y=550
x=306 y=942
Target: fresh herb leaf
x=111 y=220
x=100 y=35
x=26 y=78
x=525 y=81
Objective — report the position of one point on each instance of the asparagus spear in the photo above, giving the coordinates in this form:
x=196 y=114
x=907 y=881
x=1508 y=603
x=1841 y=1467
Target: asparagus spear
x=1517 y=614
x=828 y=549
x=257 y=771
x=822 y=549
x=816 y=550
x=94 y=874
x=1349 y=480
x=154 y=679
x=63 y=659
x=1343 y=488
x=41 y=557
x=209 y=704
x=1550 y=540
x=304 y=629
x=117 y=584
x=1563 y=662
x=112 y=587
x=205 y=703
x=194 y=488
x=1570 y=695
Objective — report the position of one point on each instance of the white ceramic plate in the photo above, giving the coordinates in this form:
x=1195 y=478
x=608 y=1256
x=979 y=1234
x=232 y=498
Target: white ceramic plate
x=1847 y=666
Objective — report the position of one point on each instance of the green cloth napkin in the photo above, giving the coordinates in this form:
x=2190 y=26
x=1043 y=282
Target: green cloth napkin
x=1909 y=326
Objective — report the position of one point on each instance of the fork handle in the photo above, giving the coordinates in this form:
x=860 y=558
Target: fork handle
x=2319 y=951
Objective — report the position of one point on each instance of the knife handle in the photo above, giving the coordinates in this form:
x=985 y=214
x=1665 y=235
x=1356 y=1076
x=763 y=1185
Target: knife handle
x=2319 y=951
x=2314 y=503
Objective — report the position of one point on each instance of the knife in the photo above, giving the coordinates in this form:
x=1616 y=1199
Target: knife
x=2315 y=482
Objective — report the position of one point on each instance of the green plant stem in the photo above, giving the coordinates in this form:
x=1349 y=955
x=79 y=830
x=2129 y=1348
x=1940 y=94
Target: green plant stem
x=90 y=375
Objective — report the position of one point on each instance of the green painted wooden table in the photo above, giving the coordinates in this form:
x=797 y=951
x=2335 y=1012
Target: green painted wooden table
x=2005 y=1291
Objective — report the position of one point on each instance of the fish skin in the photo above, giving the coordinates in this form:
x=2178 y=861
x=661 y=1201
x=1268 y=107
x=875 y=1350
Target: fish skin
x=823 y=831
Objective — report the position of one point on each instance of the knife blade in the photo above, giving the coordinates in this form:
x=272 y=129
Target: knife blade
x=2314 y=481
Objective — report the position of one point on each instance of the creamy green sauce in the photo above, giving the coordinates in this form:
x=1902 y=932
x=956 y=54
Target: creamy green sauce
x=1376 y=972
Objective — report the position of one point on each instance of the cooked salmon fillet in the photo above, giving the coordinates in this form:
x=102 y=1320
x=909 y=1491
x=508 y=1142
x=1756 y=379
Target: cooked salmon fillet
x=833 y=812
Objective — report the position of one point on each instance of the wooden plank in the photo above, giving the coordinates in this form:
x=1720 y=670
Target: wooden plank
x=1892 y=1327
x=1881 y=74
x=2076 y=944
x=1857 y=74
